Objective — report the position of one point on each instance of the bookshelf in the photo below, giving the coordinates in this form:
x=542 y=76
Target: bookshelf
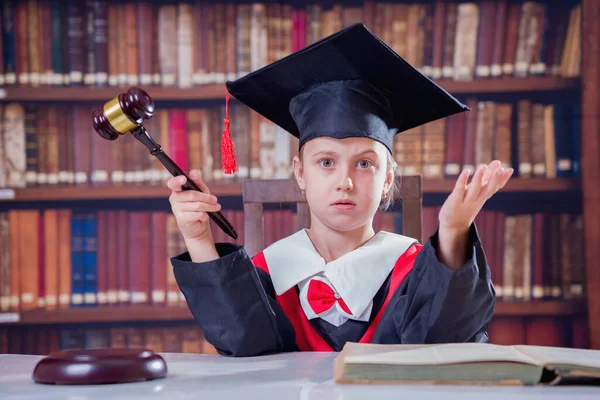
x=588 y=185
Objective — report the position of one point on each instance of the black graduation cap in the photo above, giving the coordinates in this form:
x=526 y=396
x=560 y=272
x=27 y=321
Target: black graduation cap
x=349 y=84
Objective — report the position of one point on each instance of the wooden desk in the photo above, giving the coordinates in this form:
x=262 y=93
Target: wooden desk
x=304 y=376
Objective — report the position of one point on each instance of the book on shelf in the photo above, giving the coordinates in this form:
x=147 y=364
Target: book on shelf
x=466 y=363
x=100 y=43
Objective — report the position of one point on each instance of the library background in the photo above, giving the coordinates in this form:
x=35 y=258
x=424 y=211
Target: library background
x=85 y=226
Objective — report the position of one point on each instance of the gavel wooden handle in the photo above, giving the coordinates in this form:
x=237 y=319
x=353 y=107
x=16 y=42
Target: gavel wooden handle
x=156 y=150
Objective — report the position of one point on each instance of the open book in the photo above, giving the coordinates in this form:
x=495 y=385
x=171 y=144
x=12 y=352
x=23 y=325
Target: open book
x=466 y=363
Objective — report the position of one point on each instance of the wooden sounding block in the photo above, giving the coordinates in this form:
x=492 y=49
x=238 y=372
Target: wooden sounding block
x=99 y=366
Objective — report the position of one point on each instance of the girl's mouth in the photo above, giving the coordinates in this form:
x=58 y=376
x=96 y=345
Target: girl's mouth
x=344 y=205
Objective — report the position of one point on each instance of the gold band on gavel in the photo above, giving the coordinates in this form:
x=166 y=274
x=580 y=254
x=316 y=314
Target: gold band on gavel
x=117 y=118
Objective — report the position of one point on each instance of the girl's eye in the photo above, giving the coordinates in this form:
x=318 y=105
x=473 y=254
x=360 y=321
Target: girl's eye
x=326 y=162
x=364 y=163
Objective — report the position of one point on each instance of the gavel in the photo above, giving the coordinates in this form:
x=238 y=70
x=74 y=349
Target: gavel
x=125 y=114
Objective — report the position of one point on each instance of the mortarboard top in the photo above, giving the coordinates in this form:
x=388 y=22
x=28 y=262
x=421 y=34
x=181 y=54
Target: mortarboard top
x=349 y=84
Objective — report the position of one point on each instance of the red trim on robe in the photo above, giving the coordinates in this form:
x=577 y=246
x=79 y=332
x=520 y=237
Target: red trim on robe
x=307 y=338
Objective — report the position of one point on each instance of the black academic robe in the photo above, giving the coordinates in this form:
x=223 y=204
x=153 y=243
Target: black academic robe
x=235 y=304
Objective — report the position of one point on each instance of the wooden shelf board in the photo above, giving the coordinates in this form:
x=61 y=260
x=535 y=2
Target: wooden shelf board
x=508 y=85
x=204 y=92
x=513 y=185
x=217 y=91
x=105 y=314
x=106 y=192
x=540 y=308
x=157 y=313
x=235 y=189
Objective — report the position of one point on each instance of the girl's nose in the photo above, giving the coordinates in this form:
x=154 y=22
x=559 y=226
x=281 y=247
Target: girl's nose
x=345 y=184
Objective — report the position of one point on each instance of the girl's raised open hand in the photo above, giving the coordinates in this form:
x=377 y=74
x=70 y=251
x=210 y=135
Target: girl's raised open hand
x=466 y=200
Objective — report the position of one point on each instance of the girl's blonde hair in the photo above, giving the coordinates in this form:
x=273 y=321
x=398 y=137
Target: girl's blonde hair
x=387 y=200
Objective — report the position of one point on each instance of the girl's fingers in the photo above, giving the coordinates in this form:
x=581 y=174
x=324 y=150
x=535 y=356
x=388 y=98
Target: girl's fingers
x=197 y=207
x=494 y=183
x=489 y=172
x=189 y=217
x=176 y=182
x=460 y=188
x=505 y=177
x=501 y=176
x=196 y=177
x=194 y=196
x=475 y=186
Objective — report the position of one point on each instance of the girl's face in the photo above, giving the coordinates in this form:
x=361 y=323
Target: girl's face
x=344 y=180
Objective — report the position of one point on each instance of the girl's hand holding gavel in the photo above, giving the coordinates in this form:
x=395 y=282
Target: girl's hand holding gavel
x=190 y=207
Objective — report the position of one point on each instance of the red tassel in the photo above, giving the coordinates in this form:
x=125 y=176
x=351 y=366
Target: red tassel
x=228 y=157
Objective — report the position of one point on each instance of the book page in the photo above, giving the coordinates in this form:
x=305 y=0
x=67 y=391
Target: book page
x=562 y=355
x=355 y=349
x=438 y=354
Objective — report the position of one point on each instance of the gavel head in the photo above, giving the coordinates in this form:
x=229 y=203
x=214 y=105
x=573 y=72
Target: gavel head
x=123 y=113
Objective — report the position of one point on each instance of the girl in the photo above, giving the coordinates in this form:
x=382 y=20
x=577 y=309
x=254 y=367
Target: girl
x=345 y=98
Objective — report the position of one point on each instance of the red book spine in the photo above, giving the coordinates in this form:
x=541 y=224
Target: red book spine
x=295 y=30
x=139 y=257
x=41 y=263
x=302 y=43
x=123 y=250
x=537 y=256
x=178 y=138
x=112 y=257
x=101 y=258
x=159 y=261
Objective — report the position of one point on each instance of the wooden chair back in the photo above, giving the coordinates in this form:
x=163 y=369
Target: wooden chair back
x=258 y=192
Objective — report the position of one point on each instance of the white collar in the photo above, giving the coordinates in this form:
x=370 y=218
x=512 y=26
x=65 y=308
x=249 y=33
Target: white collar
x=356 y=276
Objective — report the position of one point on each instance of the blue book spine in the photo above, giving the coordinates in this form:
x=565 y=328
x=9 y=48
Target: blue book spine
x=76 y=261
x=90 y=252
x=544 y=63
x=562 y=141
x=576 y=139
x=57 y=45
x=8 y=42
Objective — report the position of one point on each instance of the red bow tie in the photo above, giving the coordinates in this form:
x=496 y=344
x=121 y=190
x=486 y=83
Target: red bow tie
x=321 y=297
